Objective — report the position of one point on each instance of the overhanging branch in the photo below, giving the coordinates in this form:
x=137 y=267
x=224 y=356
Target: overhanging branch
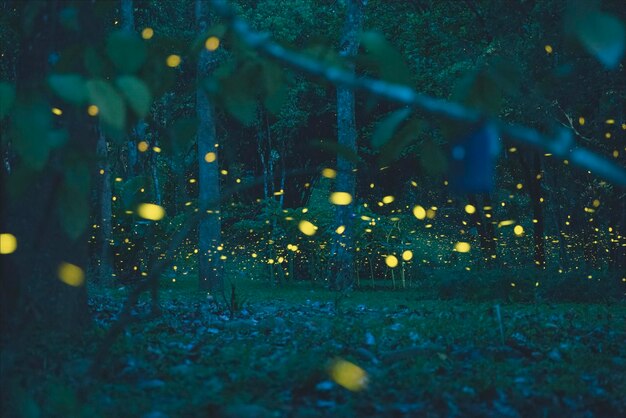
x=562 y=146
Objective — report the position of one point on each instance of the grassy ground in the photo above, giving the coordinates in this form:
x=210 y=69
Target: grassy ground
x=273 y=351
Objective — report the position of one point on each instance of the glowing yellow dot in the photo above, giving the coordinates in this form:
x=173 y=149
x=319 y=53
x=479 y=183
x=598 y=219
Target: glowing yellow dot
x=329 y=173
x=143 y=146
x=307 y=228
x=581 y=121
x=173 y=61
x=615 y=153
x=147 y=33
x=151 y=211
x=419 y=212
x=430 y=213
x=92 y=110
x=391 y=261
x=610 y=121
x=340 y=229
x=254 y=255
x=340 y=198
x=596 y=203
x=270 y=261
x=548 y=49
x=101 y=171
x=348 y=375
x=388 y=199
x=224 y=172
x=462 y=247
x=413 y=183
x=57 y=111
x=223 y=257
x=519 y=186
x=470 y=209
x=407 y=255
x=518 y=230
x=156 y=149
x=8 y=243
x=505 y=223
x=71 y=274
x=512 y=149
x=212 y=43
x=210 y=157
x=192 y=181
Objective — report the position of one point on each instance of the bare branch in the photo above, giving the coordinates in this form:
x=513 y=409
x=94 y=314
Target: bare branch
x=561 y=146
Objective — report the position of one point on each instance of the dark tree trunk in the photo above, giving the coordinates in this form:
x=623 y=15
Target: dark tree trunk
x=38 y=300
x=343 y=265
x=484 y=228
x=209 y=229
x=105 y=262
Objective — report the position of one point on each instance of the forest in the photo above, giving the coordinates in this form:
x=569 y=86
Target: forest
x=303 y=208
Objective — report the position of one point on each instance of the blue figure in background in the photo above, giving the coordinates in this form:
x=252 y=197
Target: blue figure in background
x=473 y=160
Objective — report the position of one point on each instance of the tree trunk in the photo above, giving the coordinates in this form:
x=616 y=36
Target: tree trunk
x=343 y=266
x=209 y=229
x=105 y=264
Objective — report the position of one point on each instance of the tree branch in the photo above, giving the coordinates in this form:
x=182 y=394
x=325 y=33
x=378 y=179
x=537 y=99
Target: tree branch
x=561 y=146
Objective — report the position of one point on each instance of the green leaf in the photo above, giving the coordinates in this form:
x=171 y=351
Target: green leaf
x=408 y=133
x=433 y=159
x=386 y=127
x=111 y=105
x=73 y=210
x=603 y=36
x=69 y=87
x=127 y=51
x=31 y=126
x=137 y=94
x=386 y=57
x=7 y=97
x=131 y=193
x=182 y=134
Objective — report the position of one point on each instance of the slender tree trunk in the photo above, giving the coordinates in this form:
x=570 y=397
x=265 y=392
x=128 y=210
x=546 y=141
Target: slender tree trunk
x=209 y=229
x=343 y=251
x=105 y=266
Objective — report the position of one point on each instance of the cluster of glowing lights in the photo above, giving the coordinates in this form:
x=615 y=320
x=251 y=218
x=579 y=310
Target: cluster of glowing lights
x=329 y=173
x=462 y=247
x=210 y=157
x=212 y=43
x=340 y=198
x=348 y=375
x=419 y=212
x=147 y=33
x=307 y=228
x=143 y=146
x=173 y=61
x=92 y=110
x=391 y=261
x=151 y=211
x=8 y=243
x=71 y=274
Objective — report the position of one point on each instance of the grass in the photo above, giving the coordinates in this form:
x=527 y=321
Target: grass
x=422 y=356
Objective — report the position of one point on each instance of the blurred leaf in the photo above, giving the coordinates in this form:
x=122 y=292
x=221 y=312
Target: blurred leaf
x=182 y=134
x=387 y=126
x=127 y=51
x=31 y=125
x=603 y=35
x=112 y=107
x=94 y=63
x=386 y=57
x=408 y=133
x=243 y=108
x=68 y=17
x=131 y=193
x=137 y=94
x=73 y=210
x=479 y=89
x=7 y=97
x=433 y=159
x=69 y=87
x=57 y=138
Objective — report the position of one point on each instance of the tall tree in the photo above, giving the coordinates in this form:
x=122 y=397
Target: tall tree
x=343 y=267
x=209 y=229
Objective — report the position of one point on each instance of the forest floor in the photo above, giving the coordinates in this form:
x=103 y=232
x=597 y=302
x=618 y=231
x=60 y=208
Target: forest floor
x=303 y=352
